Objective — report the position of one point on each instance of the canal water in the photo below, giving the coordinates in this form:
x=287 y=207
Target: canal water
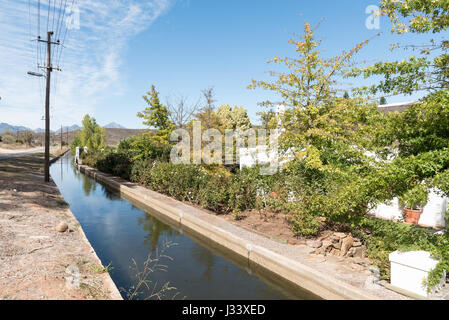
x=121 y=233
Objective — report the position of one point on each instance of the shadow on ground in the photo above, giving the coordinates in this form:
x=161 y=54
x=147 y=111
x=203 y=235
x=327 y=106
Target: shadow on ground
x=23 y=178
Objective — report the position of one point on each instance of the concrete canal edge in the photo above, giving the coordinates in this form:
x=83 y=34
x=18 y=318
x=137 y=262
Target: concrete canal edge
x=208 y=226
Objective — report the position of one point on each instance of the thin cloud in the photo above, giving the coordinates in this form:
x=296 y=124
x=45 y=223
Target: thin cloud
x=92 y=60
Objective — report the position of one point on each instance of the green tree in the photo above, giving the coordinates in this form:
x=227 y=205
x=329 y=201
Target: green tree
x=156 y=116
x=426 y=71
x=233 y=118
x=346 y=95
x=91 y=135
x=316 y=121
x=209 y=108
x=28 y=137
x=382 y=101
x=267 y=119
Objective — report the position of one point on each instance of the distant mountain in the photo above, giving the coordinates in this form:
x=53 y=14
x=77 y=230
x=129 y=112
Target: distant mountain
x=114 y=125
x=7 y=127
x=71 y=128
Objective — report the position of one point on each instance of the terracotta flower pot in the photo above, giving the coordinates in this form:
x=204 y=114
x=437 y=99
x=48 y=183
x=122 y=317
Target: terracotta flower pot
x=412 y=216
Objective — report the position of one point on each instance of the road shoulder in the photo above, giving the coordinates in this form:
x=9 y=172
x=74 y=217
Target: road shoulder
x=36 y=261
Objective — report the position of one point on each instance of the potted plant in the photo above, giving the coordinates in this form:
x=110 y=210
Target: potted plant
x=413 y=202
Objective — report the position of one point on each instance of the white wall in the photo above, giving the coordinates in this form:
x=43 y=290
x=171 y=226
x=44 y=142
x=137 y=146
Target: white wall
x=433 y=215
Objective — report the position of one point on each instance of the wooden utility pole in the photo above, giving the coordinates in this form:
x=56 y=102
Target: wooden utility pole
x=49 y=69
x=47 y=111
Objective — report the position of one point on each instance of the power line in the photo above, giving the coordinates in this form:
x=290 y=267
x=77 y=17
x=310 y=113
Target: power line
x=65 y=35
x=48 y=15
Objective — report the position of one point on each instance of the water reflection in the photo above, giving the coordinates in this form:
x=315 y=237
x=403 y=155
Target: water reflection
x=89 y=186
x=154 y=230
x=204 y=259
x=111 y=195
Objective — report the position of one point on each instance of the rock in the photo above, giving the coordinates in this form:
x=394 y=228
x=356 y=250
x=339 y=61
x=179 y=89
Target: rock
x=335 y=252
x=314 y=243
x=359 y=252
x=356 y=243
x=292 y=242
x=62 y=227
x=325 y=247
x=323 y=237
x=326 y=244
x=350 y=252
x=346 y=244
x=340 y=235
x=337 y=245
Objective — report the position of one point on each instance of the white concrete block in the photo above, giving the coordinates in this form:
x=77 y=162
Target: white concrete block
x=410 y=269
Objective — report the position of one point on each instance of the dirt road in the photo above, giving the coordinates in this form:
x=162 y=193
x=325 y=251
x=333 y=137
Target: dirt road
x=36 y=260
x=11 y=153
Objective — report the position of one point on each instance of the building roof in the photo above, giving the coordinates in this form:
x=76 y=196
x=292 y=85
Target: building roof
x=393 y=107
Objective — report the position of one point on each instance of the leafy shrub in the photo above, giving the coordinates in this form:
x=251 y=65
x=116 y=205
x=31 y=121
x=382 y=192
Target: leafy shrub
x=8 y=139
x=117 y=164
x=383 y=237
x=138 y=170
x=143 y=148
x=304 y=224
x=181 y=181
x=215 y=194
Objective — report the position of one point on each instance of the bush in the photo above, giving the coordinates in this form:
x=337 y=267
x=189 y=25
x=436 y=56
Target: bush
x=8 y=139
x=304 y=224
x=117 y=164
x=182 y=181
x=383 y=237
x=143 y=148
x=215 y=194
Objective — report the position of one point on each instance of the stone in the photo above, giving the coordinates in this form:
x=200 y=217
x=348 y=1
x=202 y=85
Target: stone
x=357 y=243
x=62 y=227
x=359 y=252
x=314 y=243
x=292 y=242
x=350 y=252
x=325 y=247
x=323 y=237
x=346 y=244
x=335 y=252
x=337 y=245
x=340 y=235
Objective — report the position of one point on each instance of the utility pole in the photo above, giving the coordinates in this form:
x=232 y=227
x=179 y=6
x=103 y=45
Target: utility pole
x=49 y=69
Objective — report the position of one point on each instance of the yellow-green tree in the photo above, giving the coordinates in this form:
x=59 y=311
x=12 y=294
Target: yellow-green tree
x=428 y=69
x=233 y=118
x=156 y=116
x=91 y=135
x=317 y=122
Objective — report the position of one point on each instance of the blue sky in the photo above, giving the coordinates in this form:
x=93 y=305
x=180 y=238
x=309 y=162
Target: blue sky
x=182 y=47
